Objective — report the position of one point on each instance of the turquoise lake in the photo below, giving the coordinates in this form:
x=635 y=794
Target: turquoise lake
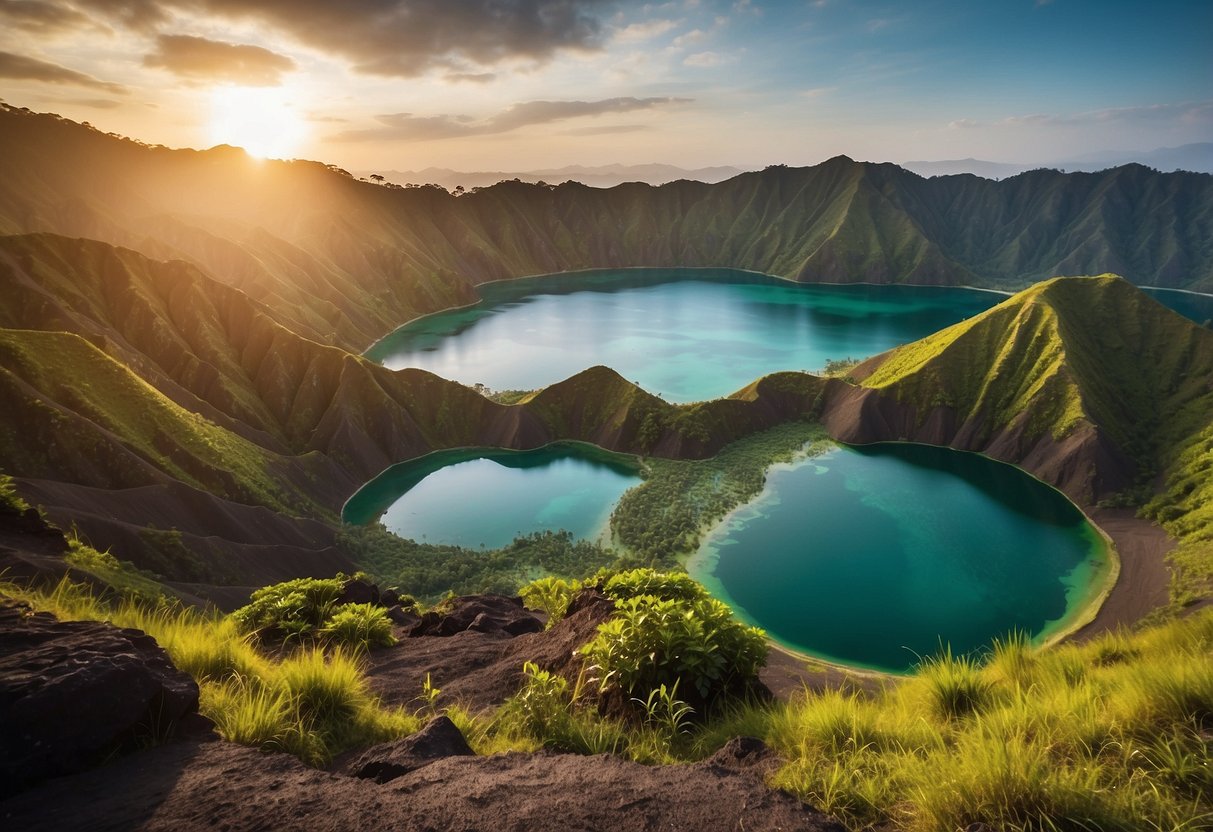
x=486 y=497
x=878 y=555
x=686 y=335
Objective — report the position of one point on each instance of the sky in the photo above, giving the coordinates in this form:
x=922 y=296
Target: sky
x=512 y=85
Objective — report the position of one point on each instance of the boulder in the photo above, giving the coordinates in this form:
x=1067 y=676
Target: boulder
x=439 y=738
x=358 y=591
x=74 y=692
x=481 y=614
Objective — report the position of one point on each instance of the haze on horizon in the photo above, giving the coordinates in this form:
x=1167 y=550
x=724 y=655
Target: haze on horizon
x=518 y=84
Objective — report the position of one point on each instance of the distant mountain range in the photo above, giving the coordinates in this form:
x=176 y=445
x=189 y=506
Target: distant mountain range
x=599 y=176
x=1197 y=158
x=344 y=262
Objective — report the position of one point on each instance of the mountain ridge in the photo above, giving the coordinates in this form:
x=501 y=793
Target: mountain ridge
x=344 y=262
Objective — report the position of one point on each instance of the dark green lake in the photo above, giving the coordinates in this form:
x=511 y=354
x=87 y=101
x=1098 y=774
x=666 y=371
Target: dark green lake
x=476 y=497
x=686 y=334
x=876 y=556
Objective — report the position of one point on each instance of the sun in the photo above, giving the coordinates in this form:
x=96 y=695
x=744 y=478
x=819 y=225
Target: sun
x=259 y=119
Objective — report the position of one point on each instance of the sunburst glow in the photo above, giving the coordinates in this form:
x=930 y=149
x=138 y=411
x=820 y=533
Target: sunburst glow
x=259 y=119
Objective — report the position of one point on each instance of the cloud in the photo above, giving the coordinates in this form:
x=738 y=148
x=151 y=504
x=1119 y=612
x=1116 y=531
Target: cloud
x=644 y=31
x=703 y=59
x=690 y=38
x=23 y=68
x=471 y=77
x=211 y=60
x=97 y=103
x=605 y=130
x=399 y=38
x=137 y=14
x=1182 y=112
x=41 y=17
x=817 y=92
x=410 y=127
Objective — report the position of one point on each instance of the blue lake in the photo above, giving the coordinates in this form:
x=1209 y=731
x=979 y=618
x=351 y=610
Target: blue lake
x=687 y=335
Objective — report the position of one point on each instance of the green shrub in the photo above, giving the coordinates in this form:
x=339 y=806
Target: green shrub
x=543 y=704
x=359 y=626
x=653 y=641
x=293 y=608
x=550 y=595
x=666 y=586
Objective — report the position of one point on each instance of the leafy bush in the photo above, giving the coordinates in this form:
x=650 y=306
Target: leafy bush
x=667 y=586
x=359 y=626
x=292 y=608
x=653 y=641
x=550 y=595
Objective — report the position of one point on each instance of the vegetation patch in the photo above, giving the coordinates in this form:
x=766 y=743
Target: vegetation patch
x=314 y=609
x=664 y=518
x=431 y=571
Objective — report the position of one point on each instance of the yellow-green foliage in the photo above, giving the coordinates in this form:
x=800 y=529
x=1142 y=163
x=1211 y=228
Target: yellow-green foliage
x=9 y=496
x=997 y=363
x=312 y=702
x=1185 y=510
x=309 y=609
x=1108 y=735
x=124 y=578
x=1068 y=350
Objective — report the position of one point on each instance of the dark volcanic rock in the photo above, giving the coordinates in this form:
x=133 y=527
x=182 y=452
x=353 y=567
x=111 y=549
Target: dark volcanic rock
x=218 y=785
x=358 y=592
x=480 y=669
x=480 y=613
x=438 y=739
x=744 y=753
x=73 y=692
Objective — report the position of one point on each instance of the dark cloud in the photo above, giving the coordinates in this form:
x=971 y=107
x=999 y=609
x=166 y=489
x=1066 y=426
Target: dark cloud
x=408 y=127
x=41 y=17
x=400 y=37
x=24 y=68
x=212 y=60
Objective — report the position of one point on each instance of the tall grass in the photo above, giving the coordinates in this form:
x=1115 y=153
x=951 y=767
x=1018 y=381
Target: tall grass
x=1113 y=734
x=311 y=702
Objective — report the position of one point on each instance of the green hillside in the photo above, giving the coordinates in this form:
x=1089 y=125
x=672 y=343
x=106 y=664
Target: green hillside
x=1066 y=354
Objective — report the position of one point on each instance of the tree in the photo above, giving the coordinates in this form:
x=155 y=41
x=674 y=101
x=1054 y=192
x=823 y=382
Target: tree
x=376 y=177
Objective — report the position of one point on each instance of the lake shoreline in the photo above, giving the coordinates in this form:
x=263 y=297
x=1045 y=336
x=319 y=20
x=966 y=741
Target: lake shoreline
x=1134 y=583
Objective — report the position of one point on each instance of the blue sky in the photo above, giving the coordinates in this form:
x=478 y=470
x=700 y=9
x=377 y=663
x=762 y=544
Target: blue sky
x=515 y=84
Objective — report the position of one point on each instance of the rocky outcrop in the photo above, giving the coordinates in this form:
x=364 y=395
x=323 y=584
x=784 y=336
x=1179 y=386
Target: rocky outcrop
x=439 y=739
x=222 y=786
x=480 y=614
x=74 y=692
